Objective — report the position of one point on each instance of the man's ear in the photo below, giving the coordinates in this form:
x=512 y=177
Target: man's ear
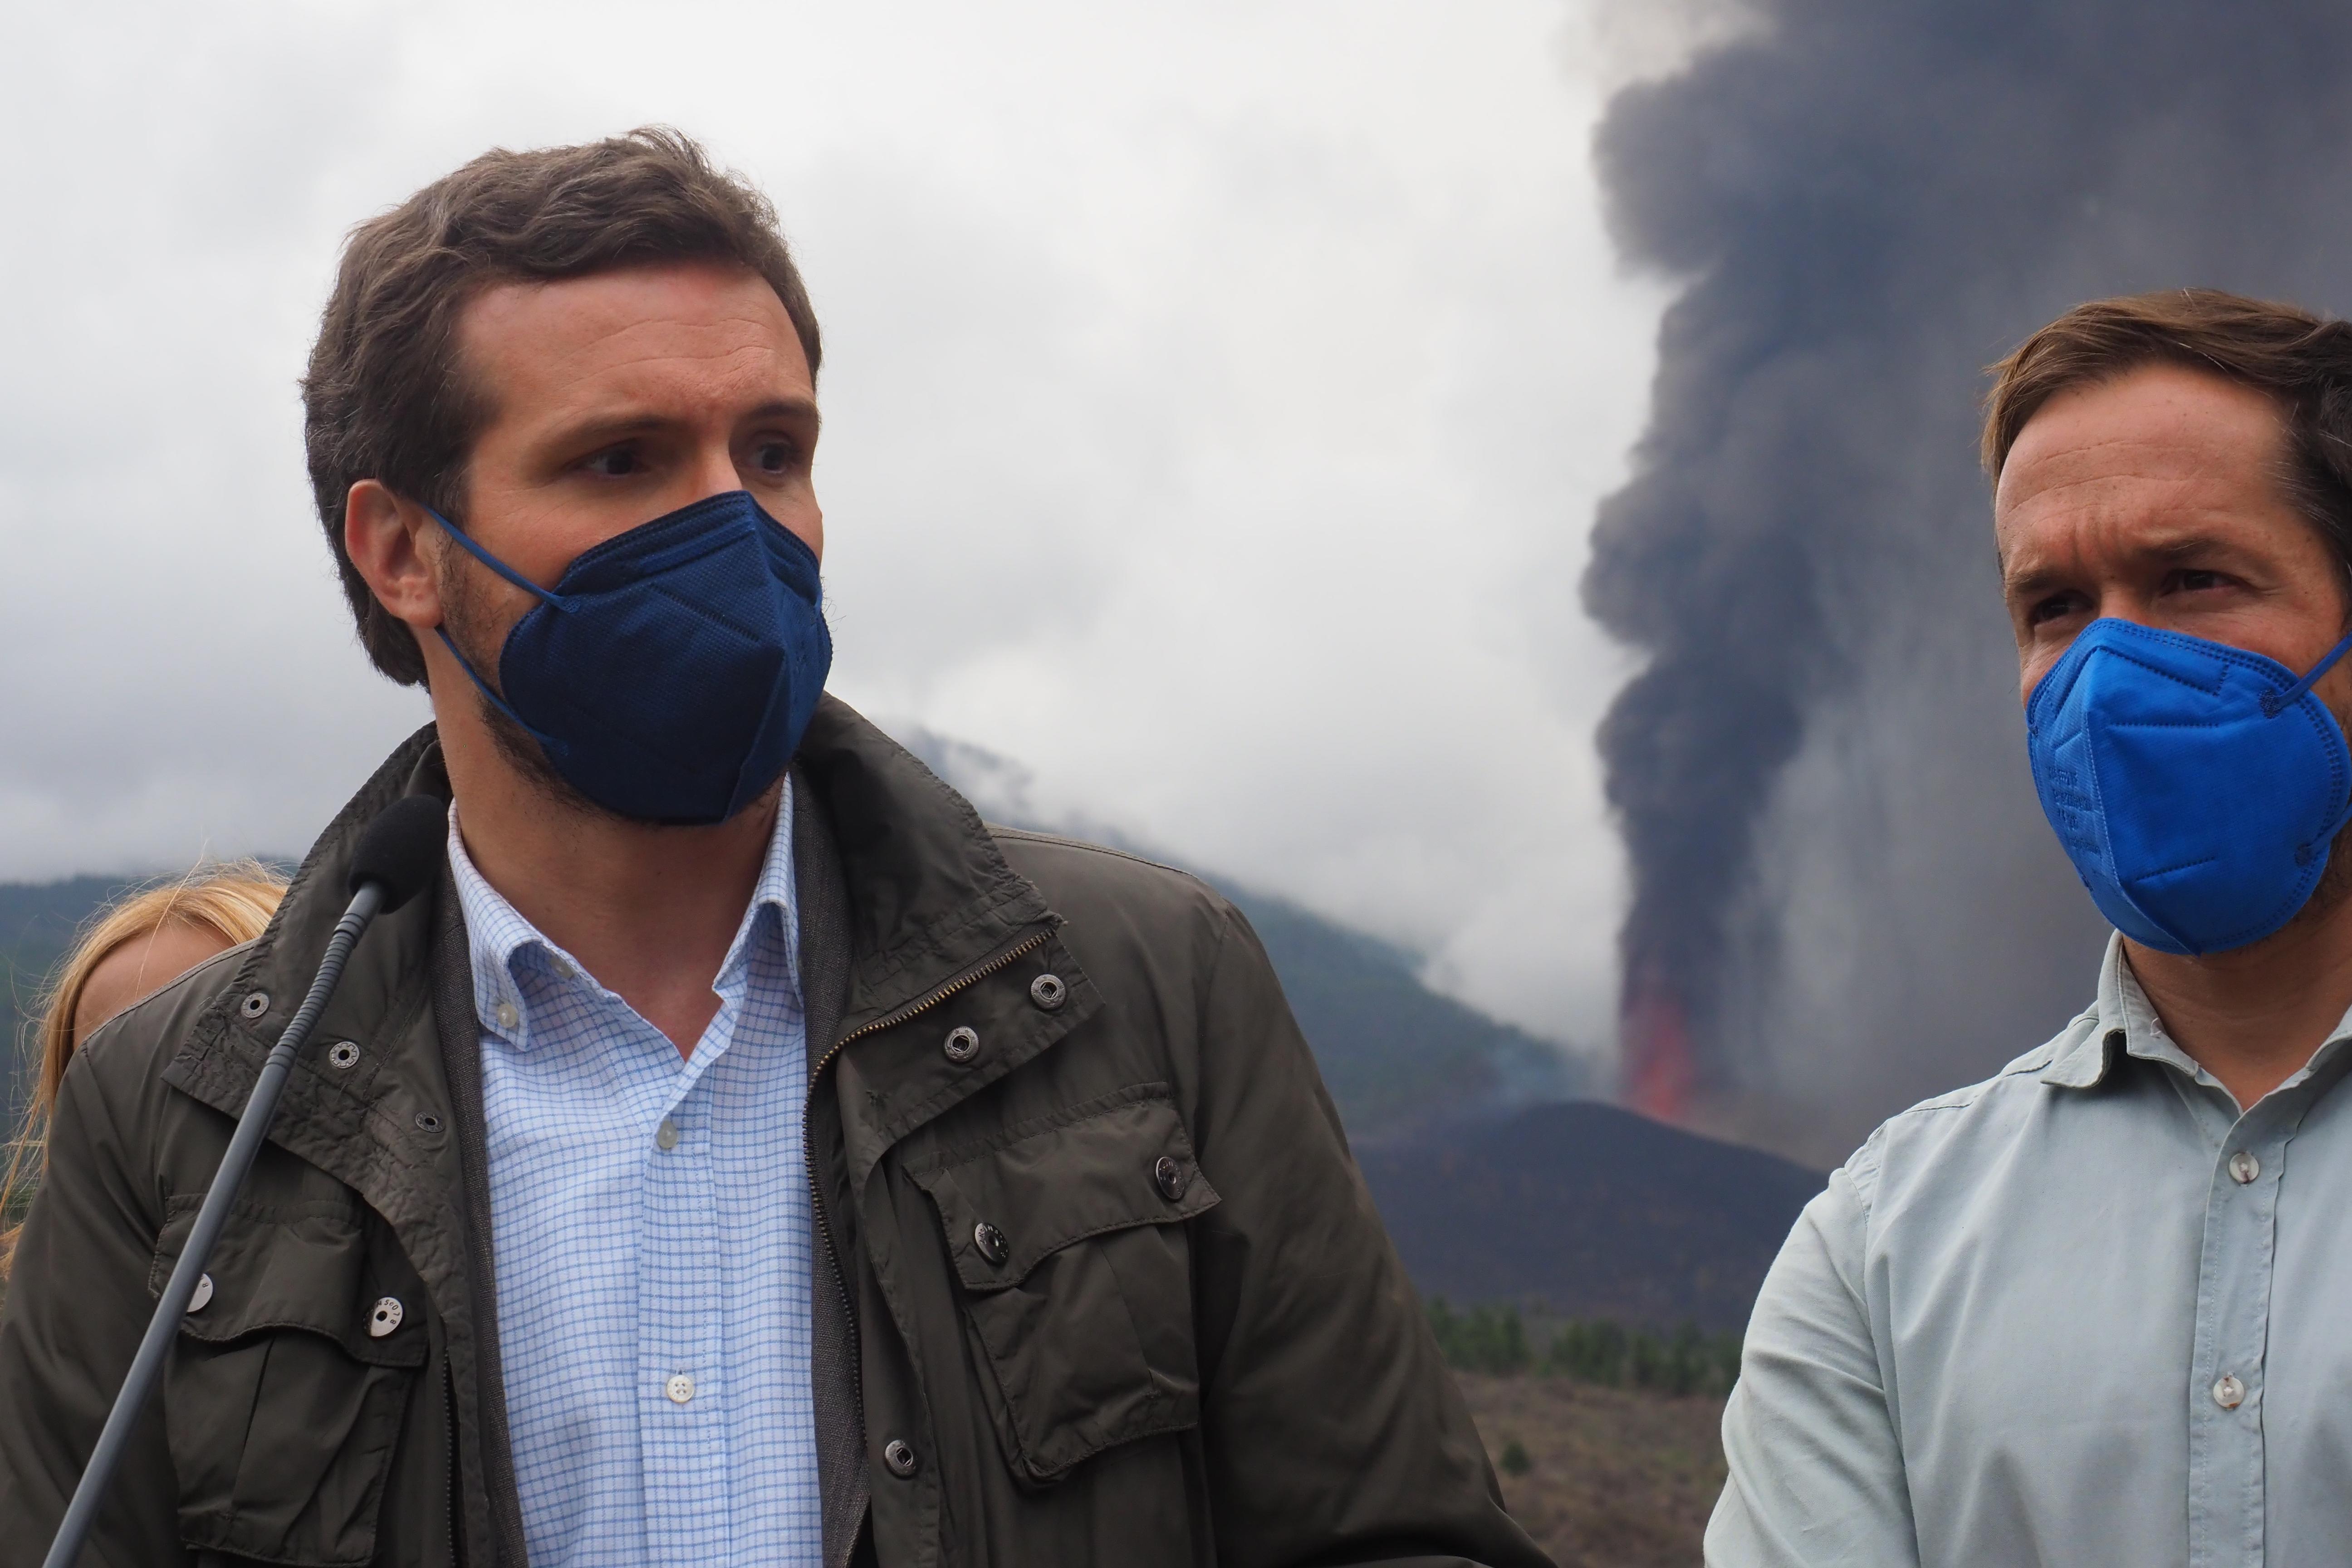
x=386 y=538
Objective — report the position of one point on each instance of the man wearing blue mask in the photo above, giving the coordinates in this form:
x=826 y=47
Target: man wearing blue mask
x=2093 y=1311
x=742 y=1156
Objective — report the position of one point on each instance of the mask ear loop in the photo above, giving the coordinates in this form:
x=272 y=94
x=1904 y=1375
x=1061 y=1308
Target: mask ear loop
x=2274 y=704
x=528 y=586
x=519 y=581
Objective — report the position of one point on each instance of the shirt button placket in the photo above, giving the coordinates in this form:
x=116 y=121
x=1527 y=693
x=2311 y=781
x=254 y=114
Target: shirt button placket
x=683 y=1354
x=2233 y=1304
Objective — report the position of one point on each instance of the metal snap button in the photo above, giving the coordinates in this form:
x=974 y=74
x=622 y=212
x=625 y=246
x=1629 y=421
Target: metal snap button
x=1168 y=1177
x=427 y=1122
x=991 y=1242
x=680 y=1388
x=1048 y=992
x=202 y=1295
x=345 y=1055
x=899 y=1456
x=255 y=1005
x=962 y=1044
x=385 y=1318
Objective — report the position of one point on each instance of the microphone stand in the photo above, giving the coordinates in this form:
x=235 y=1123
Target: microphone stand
x=252 y=1126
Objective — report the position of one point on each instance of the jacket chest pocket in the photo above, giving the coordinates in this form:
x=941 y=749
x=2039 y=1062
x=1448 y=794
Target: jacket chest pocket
x=1068 y=1240
x=287 y=1388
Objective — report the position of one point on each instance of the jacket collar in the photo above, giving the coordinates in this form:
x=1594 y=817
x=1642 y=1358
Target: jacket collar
x=930 y=892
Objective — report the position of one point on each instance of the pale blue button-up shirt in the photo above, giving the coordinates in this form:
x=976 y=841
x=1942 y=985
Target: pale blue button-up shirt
x=651 y=1232
x=2087 y=1312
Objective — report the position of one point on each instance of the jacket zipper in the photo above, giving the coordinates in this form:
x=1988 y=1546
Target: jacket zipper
x=890 y=1020
x=449 y=1472
x=972 y=977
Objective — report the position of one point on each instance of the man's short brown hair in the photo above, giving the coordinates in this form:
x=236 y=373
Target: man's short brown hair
x=2302 y=361
x=386 y=398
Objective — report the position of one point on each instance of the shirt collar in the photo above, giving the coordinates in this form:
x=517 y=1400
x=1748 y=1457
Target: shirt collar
x=2125 y=1023
x=774 y=890
x=499 y=938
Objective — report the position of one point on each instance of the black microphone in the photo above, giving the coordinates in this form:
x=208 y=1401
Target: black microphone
x=398 y=855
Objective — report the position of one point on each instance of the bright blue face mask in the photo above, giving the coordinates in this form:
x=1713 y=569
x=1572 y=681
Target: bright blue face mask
x=671 y=672
x=2196 y=786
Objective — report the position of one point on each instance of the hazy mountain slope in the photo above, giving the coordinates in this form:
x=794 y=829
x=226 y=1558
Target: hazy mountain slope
x=1591 y=1210
x=1395 y=1054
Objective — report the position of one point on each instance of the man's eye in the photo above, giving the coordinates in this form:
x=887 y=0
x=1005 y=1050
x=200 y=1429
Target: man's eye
x=2057 y=607
x=774 y=457
x=618 y=462
x=2196 y=582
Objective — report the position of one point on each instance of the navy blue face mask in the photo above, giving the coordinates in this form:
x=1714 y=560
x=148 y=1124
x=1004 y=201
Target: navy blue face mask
x=671 y=672
x=2196 y=786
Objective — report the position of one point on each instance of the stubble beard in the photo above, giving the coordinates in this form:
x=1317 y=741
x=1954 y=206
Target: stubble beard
x=462 y=616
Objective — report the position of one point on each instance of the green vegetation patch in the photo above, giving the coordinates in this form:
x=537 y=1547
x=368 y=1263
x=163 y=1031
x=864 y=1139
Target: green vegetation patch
x=1496 y=1339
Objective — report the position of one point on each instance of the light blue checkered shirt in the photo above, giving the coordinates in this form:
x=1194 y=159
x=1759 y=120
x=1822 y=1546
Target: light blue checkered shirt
x=651 y=1228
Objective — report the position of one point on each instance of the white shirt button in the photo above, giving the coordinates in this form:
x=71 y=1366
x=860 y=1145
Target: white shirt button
x=2229 y=1392
x=2244 y=1167
x=507 y=1015
x=665 y=1135
x=680 y=1388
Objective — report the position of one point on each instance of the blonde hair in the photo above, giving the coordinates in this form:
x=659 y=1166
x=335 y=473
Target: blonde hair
x=232 y=902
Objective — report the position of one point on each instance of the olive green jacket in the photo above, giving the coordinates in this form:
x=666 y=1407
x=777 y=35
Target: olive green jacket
x=1097 y=1283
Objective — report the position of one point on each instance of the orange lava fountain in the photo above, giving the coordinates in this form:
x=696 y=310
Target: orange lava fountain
x=1655 y=1037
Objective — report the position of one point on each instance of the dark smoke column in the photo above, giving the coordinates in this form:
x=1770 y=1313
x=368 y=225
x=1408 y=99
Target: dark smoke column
x=1843 y=898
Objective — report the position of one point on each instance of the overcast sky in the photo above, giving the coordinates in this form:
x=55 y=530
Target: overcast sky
x=1216 y=397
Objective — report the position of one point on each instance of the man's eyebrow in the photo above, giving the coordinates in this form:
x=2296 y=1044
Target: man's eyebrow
x=2181 y=547
x=788 y=408
x=2039 y=578
x=2030 y=582
x=600 y=428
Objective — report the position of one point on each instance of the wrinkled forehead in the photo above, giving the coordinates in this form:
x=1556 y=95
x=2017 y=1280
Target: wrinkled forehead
x=2147 y=459
x=690 y=331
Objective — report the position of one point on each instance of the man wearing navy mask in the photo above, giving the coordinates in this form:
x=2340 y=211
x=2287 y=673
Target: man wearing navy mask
x=744 y=1157
x=2093 y=1311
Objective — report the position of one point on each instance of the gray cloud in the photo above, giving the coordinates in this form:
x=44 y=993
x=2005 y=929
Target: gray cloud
x=1839 y=875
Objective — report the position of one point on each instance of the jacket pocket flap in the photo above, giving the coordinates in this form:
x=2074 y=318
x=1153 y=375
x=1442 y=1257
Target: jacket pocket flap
x=295 y=1266
x=1104 y=1165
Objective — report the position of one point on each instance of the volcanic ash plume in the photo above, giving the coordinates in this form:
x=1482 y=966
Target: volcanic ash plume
x=1845 y=897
